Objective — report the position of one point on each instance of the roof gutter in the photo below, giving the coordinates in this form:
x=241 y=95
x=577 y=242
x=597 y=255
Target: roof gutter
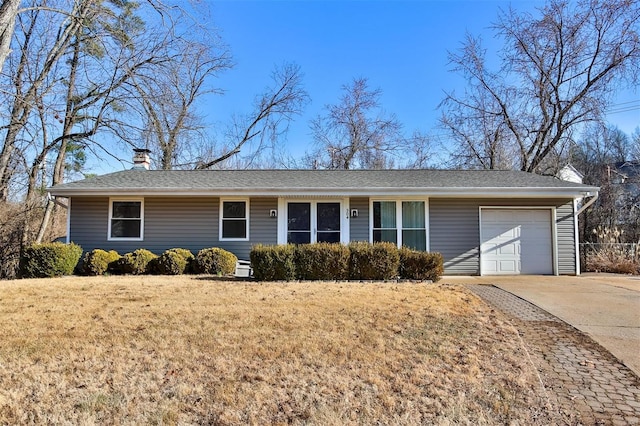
x=587 y=204
x=54 y=199
x=345 y=192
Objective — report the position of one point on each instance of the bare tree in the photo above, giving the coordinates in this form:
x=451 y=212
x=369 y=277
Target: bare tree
x=27 y=81
x=168 y=95
x=273 y=110
x=598 y=156
x=558 y=71
x=419 y=152
x=356 y=132
x=635 y=144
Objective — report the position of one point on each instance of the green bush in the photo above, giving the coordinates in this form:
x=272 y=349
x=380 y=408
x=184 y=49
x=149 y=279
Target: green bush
x=188 y=256
x=186 y=253
x=420 y=265
x=378 y=261
x=273 y=263
x=322 y=261
x=97 y=262
x=215 y=261
x=170 y=263
x=49 y=260
x=174 y=261
x=137 y=262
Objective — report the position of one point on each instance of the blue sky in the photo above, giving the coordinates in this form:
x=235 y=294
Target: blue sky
x=399 y=46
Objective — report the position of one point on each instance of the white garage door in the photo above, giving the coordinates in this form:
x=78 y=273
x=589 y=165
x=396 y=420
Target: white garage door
x=516 y=242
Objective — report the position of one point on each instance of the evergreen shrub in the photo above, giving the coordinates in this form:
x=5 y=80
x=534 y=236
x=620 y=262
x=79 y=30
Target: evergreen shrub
x=137 y=262
x=322 y=261
x=49 y=260
x=98 y=262
x=377 y=261
x=420 y=265
x=216 y=261
x=273 y=263
x=174 y=261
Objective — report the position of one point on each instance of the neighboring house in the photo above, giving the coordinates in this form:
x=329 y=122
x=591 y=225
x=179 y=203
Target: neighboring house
x=570 y=174
x=483 y=222
x=627 y=175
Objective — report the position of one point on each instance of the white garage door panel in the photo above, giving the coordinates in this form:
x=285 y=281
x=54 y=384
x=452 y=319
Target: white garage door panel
x=516 y=242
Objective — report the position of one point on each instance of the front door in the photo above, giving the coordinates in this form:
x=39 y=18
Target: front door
x=313 y=221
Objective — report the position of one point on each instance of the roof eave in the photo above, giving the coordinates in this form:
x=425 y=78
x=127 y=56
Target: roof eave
x=570 y=192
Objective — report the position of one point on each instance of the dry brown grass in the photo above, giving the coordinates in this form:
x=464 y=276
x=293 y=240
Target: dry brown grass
x=610 y=254
x=193 y=350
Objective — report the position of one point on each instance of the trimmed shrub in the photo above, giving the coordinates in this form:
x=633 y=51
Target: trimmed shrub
x=137 y=262
x=98 y=262
x=189 y=257
x=186 y=253
x=49 y=260
x=420 y=265
x=377 y=261
x=322 y=261
x=273 y=263
x=169 y=263
x=215 y=261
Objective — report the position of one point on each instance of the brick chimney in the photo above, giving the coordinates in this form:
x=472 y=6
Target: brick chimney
x=141 y=160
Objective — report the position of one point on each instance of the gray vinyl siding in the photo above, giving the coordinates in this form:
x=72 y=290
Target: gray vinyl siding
x=565 y=229
x=191 y=223
x=454 y=231
x=359 y=226
x=263 y=229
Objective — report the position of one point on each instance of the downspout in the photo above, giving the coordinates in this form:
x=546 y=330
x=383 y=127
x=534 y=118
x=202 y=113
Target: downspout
x=575 y=221
x=588 y=204
x=56 y=201
x=47 y=213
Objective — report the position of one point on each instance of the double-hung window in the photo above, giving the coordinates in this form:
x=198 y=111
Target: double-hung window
x=414 y=230
x=126 y=219
x=384 y=222
x=400 y=222
x=234 y=220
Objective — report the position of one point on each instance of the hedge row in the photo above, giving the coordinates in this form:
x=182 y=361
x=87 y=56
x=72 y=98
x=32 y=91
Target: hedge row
x=357 y=261
x=56 y=259
x=323 y=261
x=175 y=261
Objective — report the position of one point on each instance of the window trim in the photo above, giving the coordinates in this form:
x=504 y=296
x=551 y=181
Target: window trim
x=221 y=218
x=125 y=199
x=399 y=225
x=345 y=226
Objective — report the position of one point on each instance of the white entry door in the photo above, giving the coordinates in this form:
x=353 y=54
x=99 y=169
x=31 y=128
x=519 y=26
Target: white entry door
x=516 y=241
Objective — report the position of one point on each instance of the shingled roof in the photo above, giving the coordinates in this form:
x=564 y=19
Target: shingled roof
x=321 y=182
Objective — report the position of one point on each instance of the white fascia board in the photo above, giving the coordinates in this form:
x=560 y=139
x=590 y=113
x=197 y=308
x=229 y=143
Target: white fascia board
x=341 y=192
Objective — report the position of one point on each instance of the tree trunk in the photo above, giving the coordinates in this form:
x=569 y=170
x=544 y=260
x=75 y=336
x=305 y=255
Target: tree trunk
x=8 y=13
x=69 y=122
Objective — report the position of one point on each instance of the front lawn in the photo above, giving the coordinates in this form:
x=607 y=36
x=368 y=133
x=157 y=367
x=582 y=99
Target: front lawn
x=185 y=350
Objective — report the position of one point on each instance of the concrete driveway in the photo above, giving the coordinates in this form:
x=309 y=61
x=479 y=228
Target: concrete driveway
x=604 y=306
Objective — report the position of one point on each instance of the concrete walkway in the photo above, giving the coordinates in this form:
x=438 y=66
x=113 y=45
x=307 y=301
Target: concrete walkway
x=605 y=307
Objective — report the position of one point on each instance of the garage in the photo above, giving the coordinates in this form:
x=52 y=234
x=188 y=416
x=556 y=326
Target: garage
x=516 y=241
